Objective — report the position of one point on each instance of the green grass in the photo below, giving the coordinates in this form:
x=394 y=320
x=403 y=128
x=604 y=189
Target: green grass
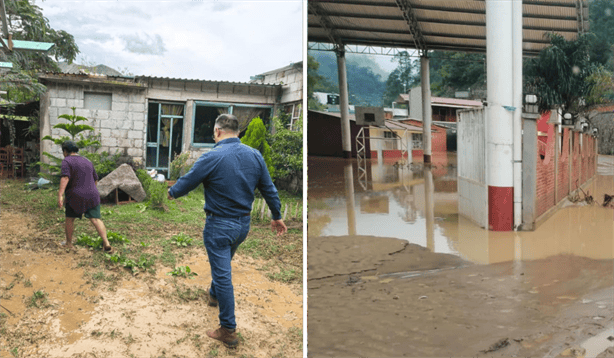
x=143 y=237
x=38 y=299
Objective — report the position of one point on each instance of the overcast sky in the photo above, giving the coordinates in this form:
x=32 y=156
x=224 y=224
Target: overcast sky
x=196 y=39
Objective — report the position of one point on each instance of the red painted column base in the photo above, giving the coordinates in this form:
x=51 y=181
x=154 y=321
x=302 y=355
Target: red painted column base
x=500 y=208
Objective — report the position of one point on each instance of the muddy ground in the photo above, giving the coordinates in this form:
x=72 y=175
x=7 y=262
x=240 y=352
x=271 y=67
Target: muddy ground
x=126 y=316
x=402 y=300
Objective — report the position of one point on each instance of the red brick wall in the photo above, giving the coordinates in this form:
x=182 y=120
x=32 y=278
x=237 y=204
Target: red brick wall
x=582 y=162
x=545 y=175
x=438 y=137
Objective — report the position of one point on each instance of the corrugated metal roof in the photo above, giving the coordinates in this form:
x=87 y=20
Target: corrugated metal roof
x=196 y=80
x=403 y=126
x=134 y=80
x=449 y=102
x=436 y=25
x=456 y=101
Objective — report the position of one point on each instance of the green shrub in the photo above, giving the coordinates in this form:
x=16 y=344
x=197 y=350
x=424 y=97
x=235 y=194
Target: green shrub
x=255 y=137
x=287 y=148
x=158 y=194
x=145 y=180
x=179 y=166
x=104 y=163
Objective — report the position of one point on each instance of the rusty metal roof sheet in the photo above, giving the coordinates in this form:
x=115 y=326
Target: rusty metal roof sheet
x=458 y=25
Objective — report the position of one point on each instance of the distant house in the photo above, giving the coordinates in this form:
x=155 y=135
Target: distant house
x=291 y=80
x=324 y=137
x=324 y=134
x=154 y=119
x=443 y=109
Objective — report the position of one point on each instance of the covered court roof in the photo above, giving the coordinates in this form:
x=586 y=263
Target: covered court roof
x=458 y=25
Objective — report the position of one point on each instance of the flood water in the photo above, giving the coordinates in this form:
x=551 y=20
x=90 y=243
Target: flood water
x=394 y=270
x=392 y=201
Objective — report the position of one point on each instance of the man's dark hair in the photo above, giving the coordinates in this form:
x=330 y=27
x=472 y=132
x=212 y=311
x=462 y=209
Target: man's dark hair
x=69 y=147
x=227 y=123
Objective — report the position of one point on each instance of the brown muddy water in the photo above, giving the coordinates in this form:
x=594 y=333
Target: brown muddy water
x=387 y=276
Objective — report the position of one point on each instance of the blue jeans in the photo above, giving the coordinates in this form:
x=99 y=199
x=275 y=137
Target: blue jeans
x=222 y=237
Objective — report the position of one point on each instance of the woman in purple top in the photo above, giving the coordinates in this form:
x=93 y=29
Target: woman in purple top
x=78 y=182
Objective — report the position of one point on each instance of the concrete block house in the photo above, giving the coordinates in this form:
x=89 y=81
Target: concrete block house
x=154 y=119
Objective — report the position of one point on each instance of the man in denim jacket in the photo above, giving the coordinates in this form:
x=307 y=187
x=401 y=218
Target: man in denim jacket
x=230 y=173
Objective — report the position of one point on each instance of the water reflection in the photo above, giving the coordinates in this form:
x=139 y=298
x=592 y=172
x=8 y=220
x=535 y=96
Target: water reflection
x=420 y=205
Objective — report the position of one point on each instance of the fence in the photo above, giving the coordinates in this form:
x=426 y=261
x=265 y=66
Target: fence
x=289 y=211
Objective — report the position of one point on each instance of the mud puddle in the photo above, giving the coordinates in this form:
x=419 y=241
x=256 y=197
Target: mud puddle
x=127 y=316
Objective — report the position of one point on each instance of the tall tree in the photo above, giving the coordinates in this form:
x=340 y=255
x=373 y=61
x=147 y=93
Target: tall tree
x=456 y=71
x=601 y=23
x=26 y=22
x=402 y=78
x=563 y=74
x=313 y=82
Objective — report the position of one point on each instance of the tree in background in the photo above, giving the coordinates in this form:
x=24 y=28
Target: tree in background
x=26 y=22
x=456 y=71
x=314 y=83
x=255 y=137
x=563 y=74
x=402 y=78
x=365 y=83
x=601 y=23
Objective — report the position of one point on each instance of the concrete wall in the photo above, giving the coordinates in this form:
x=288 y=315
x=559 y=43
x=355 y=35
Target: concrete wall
x=472 y=186
x=415 y=103
x=121 y=129
x=291 y=79
x=605 y=123
x=187 y=92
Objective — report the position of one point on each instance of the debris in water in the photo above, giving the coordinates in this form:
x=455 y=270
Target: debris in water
x=608 y=201
x=353 y=280
x=502 y=343
x=422 y=297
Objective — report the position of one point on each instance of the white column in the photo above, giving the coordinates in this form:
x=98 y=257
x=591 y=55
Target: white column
x=349 y=197
x=426 y=108
x=517 y=102
x=346 y=142
x=499 y=129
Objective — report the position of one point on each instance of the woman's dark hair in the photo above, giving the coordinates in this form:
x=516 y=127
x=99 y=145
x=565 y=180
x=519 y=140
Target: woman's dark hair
x=70 y=147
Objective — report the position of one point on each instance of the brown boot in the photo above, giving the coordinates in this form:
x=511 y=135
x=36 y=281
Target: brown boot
x=224 y=335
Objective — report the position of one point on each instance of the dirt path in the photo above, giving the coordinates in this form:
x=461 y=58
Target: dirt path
x=82 y=315
x=403 y=300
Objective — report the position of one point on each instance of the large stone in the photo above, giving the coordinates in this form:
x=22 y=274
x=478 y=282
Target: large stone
x=135 y=152
x=125 y=124
x=124 y=179
x=135 y=134
x=119 y=106
x=119 y=115
x=136 y=107
x=138 y=125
